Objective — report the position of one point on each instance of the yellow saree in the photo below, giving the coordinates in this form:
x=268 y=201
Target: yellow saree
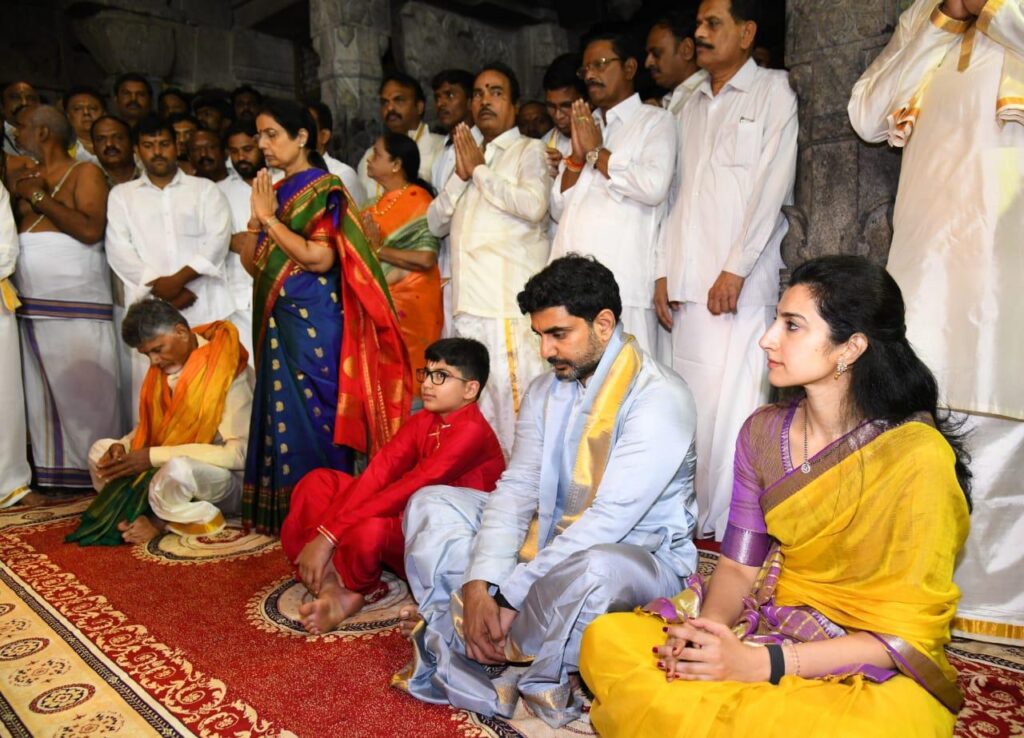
x=866 y=542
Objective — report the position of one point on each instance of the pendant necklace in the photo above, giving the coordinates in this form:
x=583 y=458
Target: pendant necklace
x=806 y=466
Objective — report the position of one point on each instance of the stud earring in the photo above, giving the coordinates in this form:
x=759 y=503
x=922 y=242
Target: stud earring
x=841 y=368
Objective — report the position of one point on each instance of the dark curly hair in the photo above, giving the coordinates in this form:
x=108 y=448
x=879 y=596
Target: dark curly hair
x=581 y=284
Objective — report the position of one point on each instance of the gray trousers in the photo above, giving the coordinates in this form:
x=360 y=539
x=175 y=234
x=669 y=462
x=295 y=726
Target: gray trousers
x=439 y=525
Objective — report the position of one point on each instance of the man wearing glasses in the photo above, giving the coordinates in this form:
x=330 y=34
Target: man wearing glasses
x=341 y=531
x=609 y=197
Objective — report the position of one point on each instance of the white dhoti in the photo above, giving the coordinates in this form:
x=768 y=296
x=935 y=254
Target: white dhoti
x=991 y=570
x=544 y=640
x=191 y=496
x=726 y=370
x=70 y=362
x=15 y=473
x=515 y=362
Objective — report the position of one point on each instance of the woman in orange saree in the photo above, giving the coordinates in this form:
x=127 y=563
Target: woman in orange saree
x=396 y=225
x=831 y=604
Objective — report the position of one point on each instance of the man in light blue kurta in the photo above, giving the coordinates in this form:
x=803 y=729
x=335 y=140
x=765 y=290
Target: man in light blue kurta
x=595 y=513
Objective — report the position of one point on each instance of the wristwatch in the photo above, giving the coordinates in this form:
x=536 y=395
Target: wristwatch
x=593 y=155
x=36 y=198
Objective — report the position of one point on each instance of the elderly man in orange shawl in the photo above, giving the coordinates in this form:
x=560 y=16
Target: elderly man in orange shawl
x=181 y=468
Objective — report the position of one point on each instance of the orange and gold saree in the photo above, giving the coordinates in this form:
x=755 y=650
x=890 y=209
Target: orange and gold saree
x=401 y=216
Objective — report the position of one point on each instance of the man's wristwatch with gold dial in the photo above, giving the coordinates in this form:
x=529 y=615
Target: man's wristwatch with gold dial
x=592 y=156
x=37 y=198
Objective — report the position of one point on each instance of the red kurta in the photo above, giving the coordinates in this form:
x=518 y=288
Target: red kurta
x=364 y=514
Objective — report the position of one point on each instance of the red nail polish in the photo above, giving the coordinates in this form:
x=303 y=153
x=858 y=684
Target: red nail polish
x=661 y=664
x=654 y=649
x=665 y=629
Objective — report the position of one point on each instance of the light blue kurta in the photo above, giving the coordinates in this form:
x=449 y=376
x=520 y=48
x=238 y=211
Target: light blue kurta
x=631 y=545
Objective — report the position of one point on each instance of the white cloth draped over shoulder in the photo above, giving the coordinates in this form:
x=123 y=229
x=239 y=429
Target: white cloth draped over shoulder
x=944 y=90
x=238 y=193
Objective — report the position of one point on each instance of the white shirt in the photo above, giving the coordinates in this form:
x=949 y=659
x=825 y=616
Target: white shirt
x=443 y=167
x=81 y=153
x=348 y=177
x=429 y=144
x=497 y=223
x=153 y=232
x=737 y=158
x=673 y=102
x=229 y=446
x=238 y=193
x=616 y=219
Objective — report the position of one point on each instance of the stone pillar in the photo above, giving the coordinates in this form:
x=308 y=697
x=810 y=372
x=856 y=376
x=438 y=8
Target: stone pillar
x=845 y=188
x=350 y=38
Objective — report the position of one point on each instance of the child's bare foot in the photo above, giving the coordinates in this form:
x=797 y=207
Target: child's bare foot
x=408 y=617
x=331 y=607
x=140 y=530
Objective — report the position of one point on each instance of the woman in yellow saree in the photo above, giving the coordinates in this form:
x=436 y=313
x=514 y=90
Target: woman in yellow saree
x=396 y=225
x=831 y=604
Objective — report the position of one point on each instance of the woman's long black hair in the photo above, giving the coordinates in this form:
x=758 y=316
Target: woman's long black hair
x=888 y=382
x=403 y=148
x=294 y=117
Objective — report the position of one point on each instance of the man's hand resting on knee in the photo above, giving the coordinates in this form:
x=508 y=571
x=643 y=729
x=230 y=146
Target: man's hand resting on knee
x=482 y=622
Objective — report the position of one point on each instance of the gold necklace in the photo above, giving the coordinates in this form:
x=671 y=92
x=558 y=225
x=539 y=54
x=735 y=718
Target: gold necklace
x=376 y=209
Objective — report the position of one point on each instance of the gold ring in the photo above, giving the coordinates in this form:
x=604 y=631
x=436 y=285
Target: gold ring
x=581 y=117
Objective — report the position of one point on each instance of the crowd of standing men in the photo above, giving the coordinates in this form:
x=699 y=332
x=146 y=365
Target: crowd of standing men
x=149 y=194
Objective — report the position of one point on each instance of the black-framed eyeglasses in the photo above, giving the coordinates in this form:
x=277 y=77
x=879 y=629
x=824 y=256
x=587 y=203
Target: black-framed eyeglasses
x=437 y=376
x=598 y=65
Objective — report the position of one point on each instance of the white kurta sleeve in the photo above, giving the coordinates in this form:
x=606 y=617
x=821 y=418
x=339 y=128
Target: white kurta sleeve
x=233 y=431
x=526 y=196
x=643 y=462
x=645 y=173
x=1003 y=22
x=773 y=179
x=216 y=232
x=122 y=254
x=511 y=506
x=442 y=207
x=922 y=38
x=8 y=236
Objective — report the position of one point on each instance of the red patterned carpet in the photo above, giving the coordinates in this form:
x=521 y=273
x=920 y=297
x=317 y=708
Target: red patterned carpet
x=197 y=637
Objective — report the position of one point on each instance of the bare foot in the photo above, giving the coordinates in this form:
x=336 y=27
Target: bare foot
x=332 y=606
x=32 y=499
x=408 y=617
x=141 y=530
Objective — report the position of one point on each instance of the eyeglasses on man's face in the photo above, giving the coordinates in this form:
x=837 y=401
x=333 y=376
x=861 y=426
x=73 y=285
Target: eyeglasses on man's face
x=597 y=66
x=437 y=376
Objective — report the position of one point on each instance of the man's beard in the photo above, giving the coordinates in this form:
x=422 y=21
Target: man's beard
x=246 y=169
x=582 y=368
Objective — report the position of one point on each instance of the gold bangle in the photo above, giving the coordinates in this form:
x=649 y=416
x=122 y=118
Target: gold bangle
x=270 y=222
x=327 y=534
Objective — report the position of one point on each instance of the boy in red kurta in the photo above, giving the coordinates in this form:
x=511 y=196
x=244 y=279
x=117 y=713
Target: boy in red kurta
x=341 y=530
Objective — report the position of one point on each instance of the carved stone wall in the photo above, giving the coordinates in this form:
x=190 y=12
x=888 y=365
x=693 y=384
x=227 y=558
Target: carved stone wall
x=352 y=37
x=845 y=188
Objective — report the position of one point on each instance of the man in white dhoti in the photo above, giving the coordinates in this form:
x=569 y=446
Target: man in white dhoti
x=949 y=88
x=187 y=456
x=595 y=513
x=453 y=90
x=324 y=119
x=719 y=274
x=402 y=103
x=494 y=206
x=610 y=197
x=168 y=235
x=68 y=347
x=672 y=59
x=15 y=473
x=242 y=145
